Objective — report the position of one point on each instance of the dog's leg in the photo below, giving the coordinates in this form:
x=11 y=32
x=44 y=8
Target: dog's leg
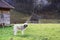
x=15 y=32
x=22 y=32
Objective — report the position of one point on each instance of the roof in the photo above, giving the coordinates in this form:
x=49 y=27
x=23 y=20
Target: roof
x=4 y=4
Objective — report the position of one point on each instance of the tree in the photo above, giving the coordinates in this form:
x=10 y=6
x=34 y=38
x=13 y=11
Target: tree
x=28 y=6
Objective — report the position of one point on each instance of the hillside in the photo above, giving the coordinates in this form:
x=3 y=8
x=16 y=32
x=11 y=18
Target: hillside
x=18 y=17
x=24 y=8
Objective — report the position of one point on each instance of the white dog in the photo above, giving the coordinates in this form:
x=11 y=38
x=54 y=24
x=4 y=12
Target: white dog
x=20 y=27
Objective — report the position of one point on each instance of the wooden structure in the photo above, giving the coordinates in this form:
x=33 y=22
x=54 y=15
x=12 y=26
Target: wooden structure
x=4 y=12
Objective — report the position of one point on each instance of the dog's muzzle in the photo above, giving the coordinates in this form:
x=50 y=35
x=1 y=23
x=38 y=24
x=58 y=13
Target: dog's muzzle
x=25 y=26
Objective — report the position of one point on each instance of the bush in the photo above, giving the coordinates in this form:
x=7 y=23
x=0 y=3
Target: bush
x=49 y=20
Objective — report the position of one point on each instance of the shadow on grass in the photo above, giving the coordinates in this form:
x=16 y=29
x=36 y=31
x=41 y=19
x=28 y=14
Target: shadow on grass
x=33 y=37
x=44 y=38
x=26 y=35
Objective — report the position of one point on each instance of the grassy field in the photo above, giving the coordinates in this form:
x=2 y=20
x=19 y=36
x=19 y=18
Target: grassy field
x=33 y=32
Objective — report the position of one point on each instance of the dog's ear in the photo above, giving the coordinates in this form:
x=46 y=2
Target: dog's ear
x=25 y=23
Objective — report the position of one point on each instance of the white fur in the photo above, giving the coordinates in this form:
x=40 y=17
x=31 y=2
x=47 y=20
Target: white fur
x=19 y=27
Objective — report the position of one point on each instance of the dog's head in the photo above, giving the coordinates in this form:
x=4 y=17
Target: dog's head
x=25 y=25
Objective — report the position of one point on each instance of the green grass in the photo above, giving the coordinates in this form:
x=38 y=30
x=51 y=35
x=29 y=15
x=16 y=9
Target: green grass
x=33 y=32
